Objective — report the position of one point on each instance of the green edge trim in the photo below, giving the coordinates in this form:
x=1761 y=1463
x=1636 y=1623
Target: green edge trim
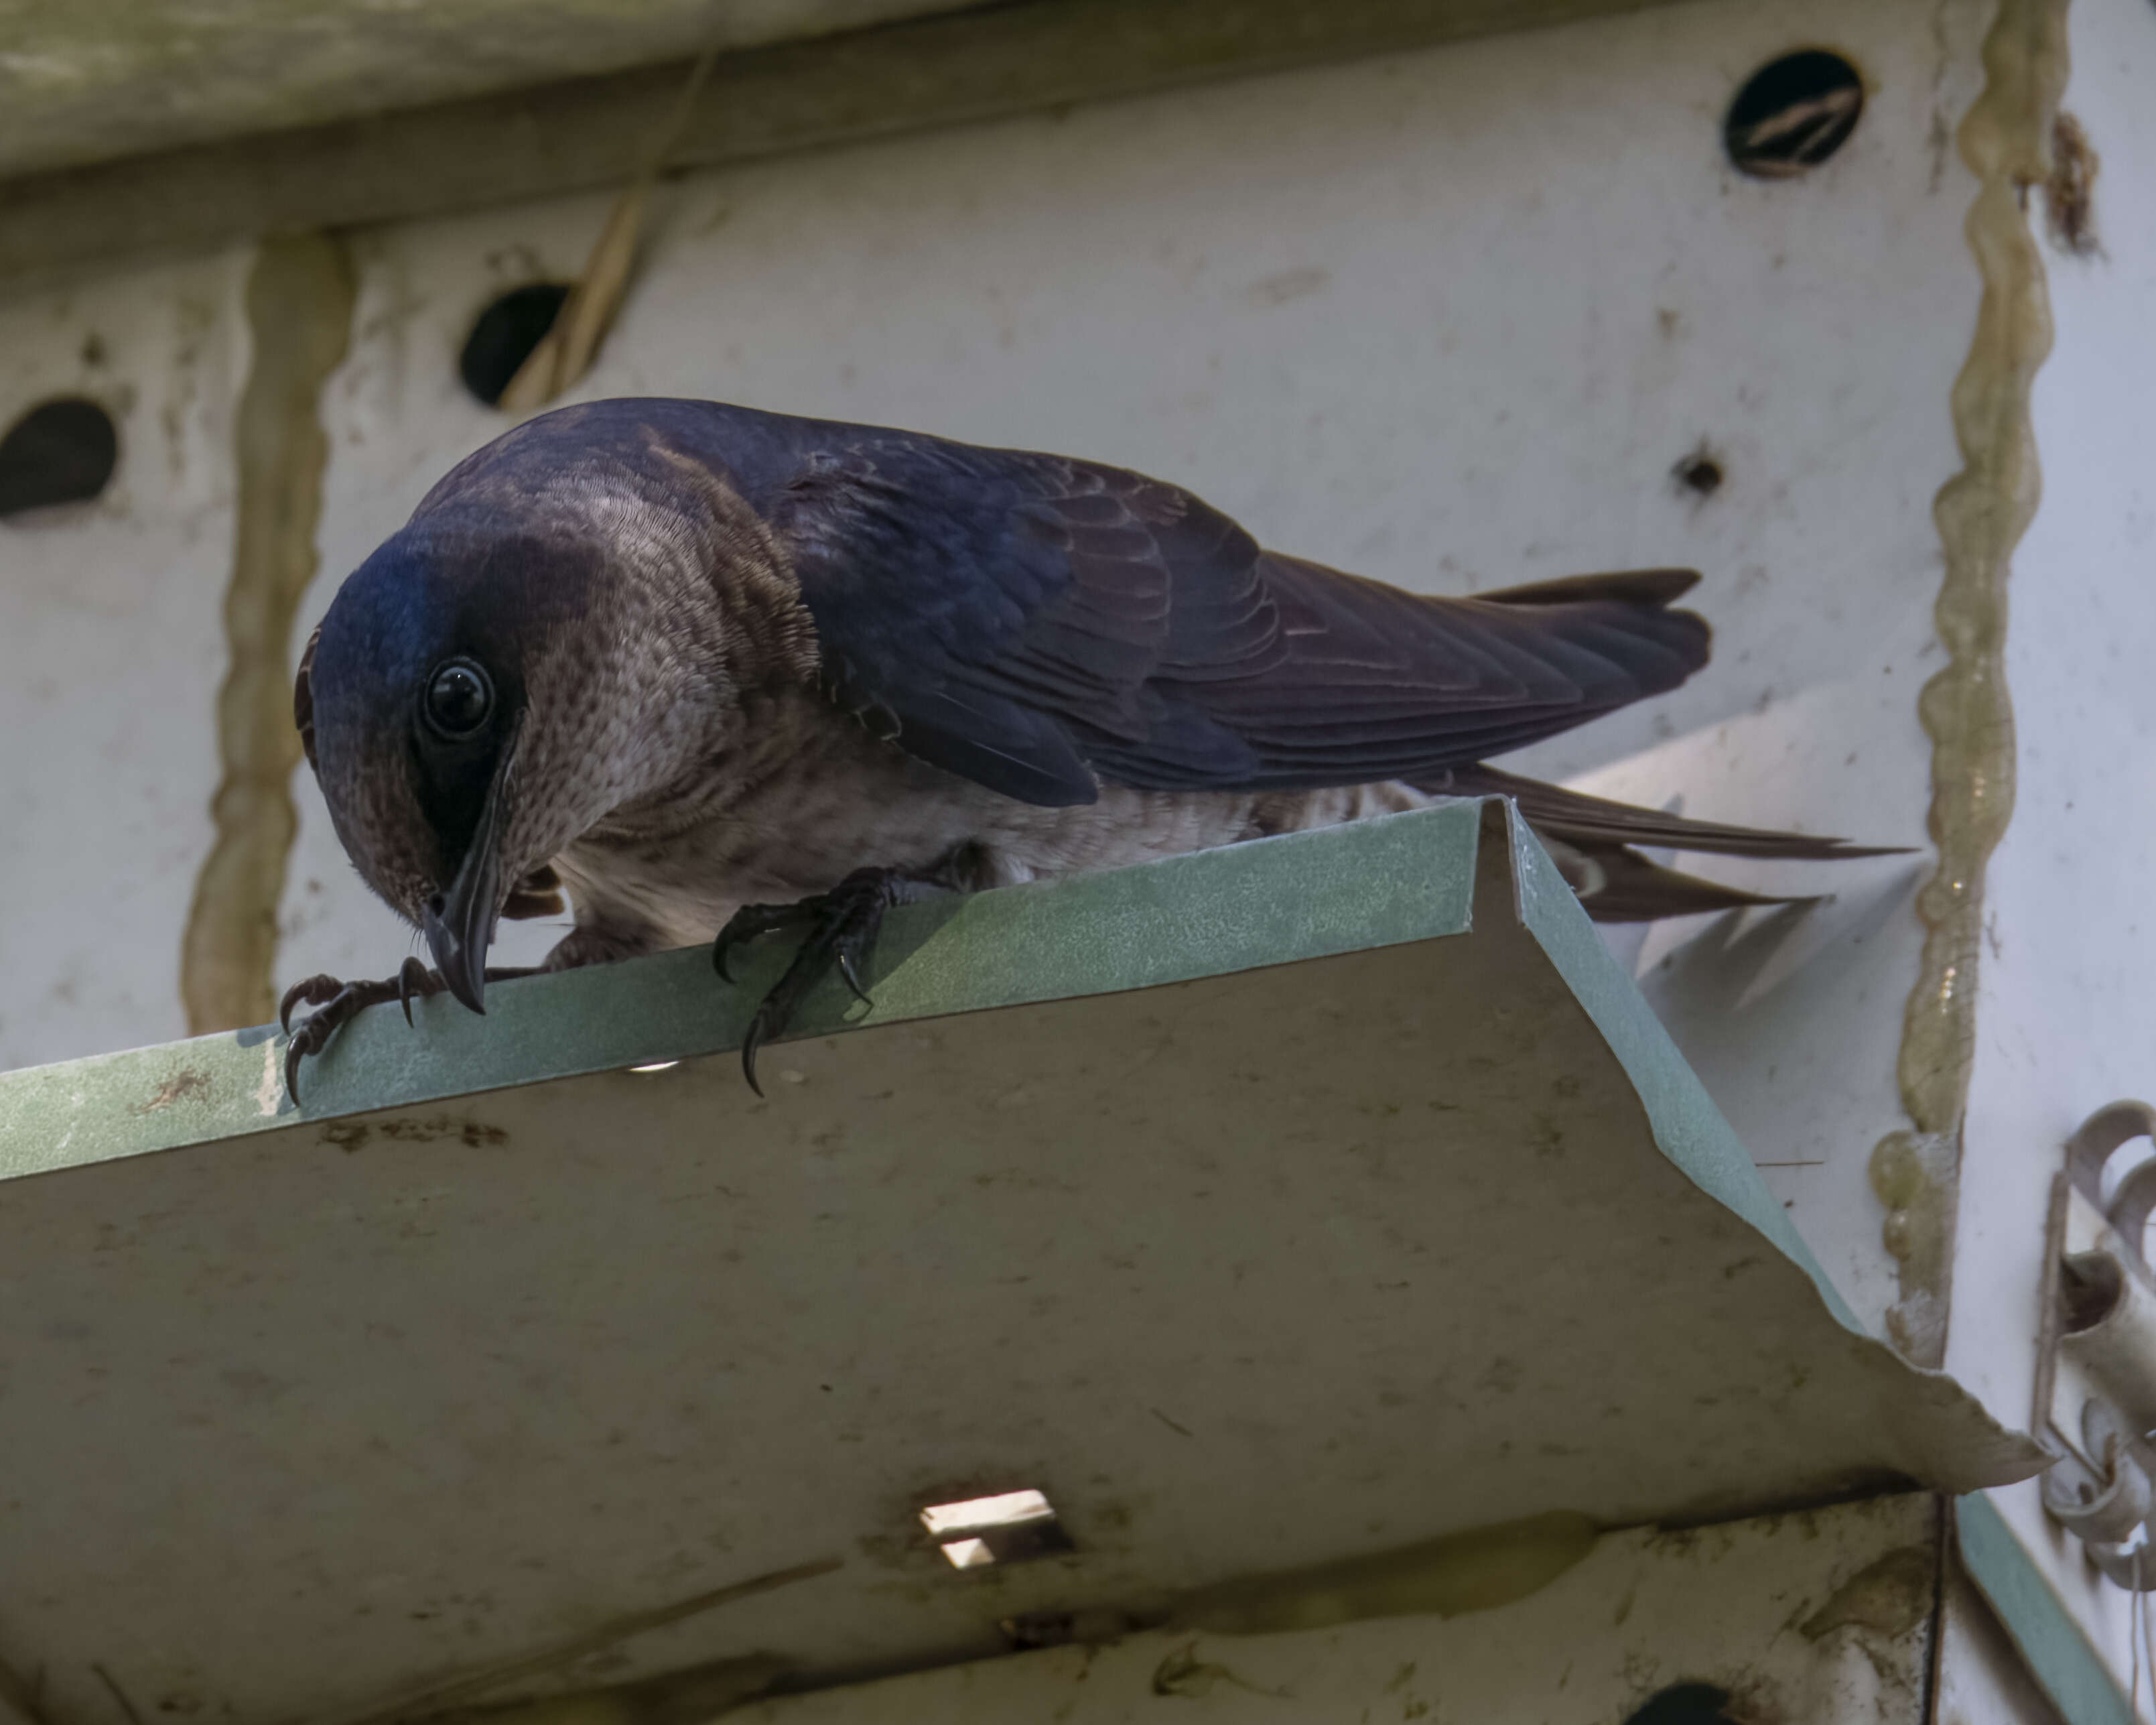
x=1687 y=1126
x=2050 y=1643
x=1380 y=882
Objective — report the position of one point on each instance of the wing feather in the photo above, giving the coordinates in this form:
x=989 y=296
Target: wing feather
x=1043 y=625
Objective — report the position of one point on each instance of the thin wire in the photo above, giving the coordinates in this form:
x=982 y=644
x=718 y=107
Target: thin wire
x=2132 y=1641
x=2141 y=1601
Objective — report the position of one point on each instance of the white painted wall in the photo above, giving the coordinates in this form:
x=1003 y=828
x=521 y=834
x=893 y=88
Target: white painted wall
x=111 y=645
x=1979 y=1679
x=2067 y=1017
x=1447 y=318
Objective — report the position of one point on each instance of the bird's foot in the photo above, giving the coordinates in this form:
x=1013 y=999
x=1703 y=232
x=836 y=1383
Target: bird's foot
x=336 y=1003
x=841 y=926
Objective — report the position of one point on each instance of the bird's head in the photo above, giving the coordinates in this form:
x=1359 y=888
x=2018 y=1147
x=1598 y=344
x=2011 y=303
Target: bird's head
x=475 y=699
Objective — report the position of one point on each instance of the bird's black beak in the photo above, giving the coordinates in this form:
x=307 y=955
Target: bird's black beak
x=459 y=924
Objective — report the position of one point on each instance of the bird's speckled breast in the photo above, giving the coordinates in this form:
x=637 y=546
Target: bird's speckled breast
x=809 y=796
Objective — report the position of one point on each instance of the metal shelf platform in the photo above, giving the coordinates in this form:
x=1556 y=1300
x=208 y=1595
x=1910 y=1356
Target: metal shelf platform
x=1261 y=1207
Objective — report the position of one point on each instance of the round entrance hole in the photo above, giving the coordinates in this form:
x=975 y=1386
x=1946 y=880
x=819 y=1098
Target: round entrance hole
x=1792 y=114
x=505 y=334
x=61 y=451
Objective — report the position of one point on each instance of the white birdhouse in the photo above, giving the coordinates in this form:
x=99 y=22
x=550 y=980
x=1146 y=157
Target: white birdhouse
x=1326 y=1278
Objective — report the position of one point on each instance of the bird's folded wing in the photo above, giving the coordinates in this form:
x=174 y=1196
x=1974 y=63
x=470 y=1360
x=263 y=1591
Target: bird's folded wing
x=1041 y=625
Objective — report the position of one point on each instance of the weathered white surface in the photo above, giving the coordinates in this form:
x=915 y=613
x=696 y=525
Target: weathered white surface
x=1447 y=319
x=1247 y=1272
x=2066 y=1021
x=112 y=644
x=1981 y=1678
x=86 y=82
x=1759 y=1609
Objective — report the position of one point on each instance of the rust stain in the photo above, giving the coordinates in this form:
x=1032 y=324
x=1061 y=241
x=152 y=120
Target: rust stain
x=189 y=1085
x=2070 y=190
x=1966 y=710
x=298 y=313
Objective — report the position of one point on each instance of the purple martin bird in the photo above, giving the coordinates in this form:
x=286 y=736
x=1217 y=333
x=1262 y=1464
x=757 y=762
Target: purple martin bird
x=719 y=673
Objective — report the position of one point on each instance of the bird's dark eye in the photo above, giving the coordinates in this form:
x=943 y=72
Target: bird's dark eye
x=458 y=698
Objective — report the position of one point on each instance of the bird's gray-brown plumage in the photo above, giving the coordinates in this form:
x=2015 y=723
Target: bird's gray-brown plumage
x=682 y=658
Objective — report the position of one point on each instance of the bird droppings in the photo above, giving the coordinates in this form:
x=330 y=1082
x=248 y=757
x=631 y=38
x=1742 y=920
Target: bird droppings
x=1697 y=472
x=2069 y=189
x=471 y=1134
x=1092 y=1627
x=189 y=1085
x=348 y=1135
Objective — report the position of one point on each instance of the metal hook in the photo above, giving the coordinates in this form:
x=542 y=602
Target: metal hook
x=2091 y=1147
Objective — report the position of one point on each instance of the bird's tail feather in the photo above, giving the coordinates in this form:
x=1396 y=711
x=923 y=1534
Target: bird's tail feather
x=1616 y=885
x=1571 y=816
x=1591 y=838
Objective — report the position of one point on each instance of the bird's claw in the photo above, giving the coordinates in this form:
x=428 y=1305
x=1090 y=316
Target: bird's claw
x=842 y=926
x=752 y=920
x=336 y=1004
x=414 y=981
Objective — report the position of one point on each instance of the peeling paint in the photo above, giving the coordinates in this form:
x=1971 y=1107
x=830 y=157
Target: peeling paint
x=2006 y=140
x=299 y=310
x=270 y=1092
x=1889 y=1596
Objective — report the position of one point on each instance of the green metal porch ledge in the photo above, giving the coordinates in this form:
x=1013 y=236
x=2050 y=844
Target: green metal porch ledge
x=1263 y=1207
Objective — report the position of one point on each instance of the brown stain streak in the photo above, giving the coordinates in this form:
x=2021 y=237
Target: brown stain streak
x=1965 y=709
x=601 y=1640
x=299 y=310
x=190 y=1084
x=2069 y=189
x=22 y=1697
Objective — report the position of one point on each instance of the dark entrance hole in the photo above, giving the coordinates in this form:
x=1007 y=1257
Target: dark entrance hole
x=61 y=451
x=505 y=335
x=1792 y=114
